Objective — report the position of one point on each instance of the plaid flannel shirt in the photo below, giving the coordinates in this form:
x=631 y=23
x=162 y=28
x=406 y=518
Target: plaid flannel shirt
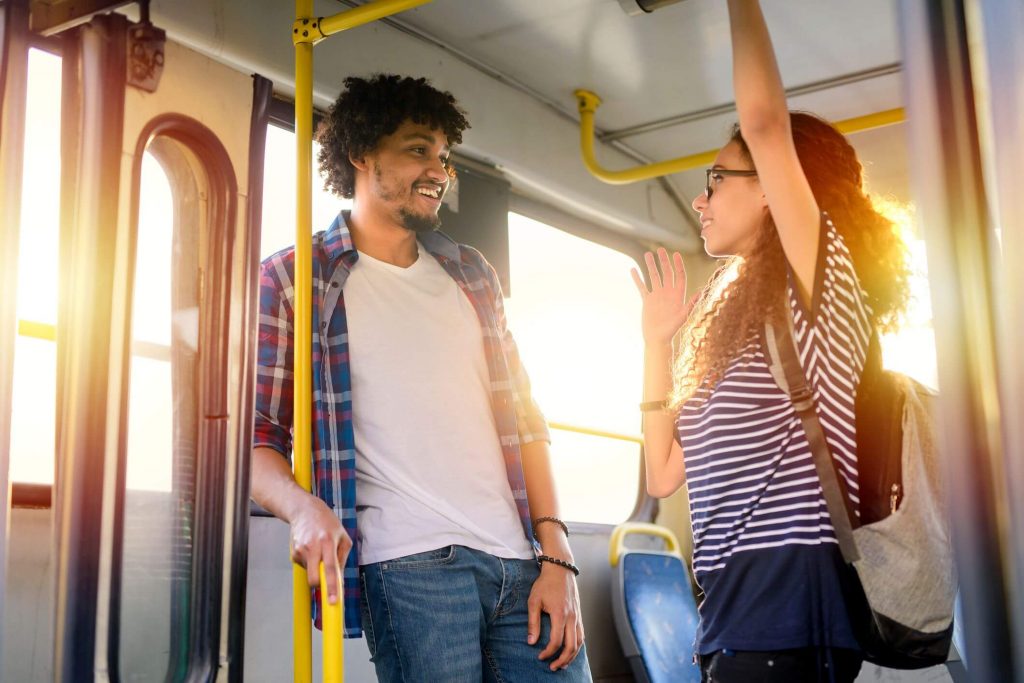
x=517 y=417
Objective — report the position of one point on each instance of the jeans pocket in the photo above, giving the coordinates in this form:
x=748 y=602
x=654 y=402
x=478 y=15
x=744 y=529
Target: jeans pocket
x=424 y=560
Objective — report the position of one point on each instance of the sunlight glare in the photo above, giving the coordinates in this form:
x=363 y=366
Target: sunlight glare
x=576 y=319
x=33 y=414
x=911 y=349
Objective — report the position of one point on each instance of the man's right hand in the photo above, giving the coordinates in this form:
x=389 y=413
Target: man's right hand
x=317 y=535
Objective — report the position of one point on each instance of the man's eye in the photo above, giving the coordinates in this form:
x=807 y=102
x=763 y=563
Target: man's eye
x=717 y=177
x=418 y=150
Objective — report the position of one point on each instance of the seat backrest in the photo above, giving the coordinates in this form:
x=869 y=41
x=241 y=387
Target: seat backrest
x=655 y=615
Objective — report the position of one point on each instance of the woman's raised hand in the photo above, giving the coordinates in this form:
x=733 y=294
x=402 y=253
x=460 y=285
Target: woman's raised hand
x=665 y=306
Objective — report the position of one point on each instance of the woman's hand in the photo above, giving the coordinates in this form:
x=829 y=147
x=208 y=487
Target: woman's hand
x=665 y=307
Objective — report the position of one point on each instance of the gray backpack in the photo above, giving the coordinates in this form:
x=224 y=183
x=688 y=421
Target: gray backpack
x=900 y=544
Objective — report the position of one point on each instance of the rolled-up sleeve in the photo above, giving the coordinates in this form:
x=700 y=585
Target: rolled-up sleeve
x=532 y=424
x=274 y=358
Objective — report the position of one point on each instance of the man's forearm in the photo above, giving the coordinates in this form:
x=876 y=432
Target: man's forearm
x=540 y=488
x=273 y=485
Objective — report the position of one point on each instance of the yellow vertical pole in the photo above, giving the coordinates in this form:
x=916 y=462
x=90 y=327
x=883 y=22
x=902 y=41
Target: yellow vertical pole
x=302 y=344
x=334 y=650
x=306 y=31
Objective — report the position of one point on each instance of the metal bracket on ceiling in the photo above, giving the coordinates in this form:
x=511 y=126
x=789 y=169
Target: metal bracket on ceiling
x=307 y=30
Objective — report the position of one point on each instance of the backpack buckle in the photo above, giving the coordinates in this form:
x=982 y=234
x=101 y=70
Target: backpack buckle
x=803 y=398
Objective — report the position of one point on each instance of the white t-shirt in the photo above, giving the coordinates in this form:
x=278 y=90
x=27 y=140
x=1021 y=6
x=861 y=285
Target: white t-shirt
x=429 y=466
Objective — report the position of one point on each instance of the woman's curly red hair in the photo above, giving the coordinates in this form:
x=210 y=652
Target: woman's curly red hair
x=746 y=291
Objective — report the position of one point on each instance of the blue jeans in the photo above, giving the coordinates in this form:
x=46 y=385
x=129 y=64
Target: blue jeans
x=456 y=615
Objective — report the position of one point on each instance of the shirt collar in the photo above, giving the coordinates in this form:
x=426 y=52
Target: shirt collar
x=338 y=241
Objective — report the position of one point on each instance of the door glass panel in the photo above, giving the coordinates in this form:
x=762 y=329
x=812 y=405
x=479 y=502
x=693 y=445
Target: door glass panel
x=35 y=369
x=162 y=422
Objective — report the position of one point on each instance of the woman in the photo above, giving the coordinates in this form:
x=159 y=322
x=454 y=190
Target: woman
x=784 y=201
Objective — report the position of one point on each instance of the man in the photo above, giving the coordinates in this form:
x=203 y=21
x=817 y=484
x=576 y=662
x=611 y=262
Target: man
x=420 y=402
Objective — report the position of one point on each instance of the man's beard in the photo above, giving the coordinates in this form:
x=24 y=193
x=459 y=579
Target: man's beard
x=420 y=224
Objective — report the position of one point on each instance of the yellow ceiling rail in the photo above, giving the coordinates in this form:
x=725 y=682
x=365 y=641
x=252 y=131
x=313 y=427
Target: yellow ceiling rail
x=587 y=103
x=869 y=121
x=308 y=30
x=364 y=14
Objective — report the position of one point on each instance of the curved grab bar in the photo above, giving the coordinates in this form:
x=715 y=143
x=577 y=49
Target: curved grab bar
x=587 y=102
x=617 y=542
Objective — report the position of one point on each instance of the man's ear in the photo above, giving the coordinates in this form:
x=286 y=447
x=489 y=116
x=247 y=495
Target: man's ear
x=360 y=163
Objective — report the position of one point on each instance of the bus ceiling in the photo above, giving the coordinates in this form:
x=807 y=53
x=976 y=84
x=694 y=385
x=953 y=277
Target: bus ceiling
x=635 y=7
x=53 y=16
x=500 y=56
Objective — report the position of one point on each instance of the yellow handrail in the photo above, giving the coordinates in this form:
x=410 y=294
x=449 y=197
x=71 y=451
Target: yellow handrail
x=869 y=121
x=564 y=427
x=616 y=543
x=365 y=14
x=302 y=344
x=37 y=330
x=587 y=103
x=306 y=31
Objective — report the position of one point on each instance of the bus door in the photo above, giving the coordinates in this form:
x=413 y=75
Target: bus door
x=13 y=74
x=158 y=254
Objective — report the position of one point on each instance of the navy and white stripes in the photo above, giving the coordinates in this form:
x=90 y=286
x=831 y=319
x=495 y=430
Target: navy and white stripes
x=751 y=479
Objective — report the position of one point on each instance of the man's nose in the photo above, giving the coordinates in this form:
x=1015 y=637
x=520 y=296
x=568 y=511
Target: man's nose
x=699 y=202
x=438 y=172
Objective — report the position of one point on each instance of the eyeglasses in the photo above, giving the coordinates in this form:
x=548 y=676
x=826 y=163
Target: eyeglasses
x=718 y=174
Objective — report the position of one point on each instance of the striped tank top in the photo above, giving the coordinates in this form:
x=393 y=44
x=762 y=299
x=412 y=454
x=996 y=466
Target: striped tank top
x=765 y=554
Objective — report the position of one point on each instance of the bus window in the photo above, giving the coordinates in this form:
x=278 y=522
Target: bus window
x=35 y=369
x=278 y=230
x=577 y=323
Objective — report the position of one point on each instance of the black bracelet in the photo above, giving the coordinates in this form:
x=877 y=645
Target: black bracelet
x=561 y=563
x=556 y=520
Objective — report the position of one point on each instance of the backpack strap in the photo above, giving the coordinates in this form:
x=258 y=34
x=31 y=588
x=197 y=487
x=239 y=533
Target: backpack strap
x=785 y=367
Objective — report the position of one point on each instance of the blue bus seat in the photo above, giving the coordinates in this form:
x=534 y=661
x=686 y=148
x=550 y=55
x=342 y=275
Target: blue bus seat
x=653 y=606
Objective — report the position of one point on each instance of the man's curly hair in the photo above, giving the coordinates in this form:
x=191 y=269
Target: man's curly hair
x=747 y=291
x=370 y=109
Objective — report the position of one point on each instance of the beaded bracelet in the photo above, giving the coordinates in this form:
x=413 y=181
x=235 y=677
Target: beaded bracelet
x=561 y=563
x=556 y=520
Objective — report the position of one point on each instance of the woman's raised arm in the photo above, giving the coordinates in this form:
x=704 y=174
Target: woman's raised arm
x=765 y=126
